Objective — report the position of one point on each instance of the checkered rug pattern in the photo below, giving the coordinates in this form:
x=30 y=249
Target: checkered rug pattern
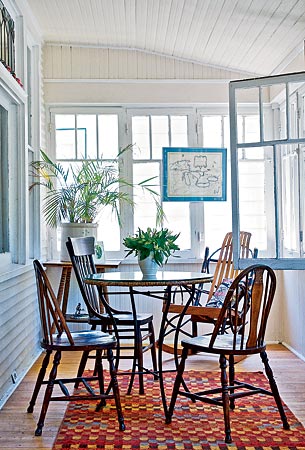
x=255 y=422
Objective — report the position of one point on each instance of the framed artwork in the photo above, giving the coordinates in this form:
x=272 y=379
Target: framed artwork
x=194 y=174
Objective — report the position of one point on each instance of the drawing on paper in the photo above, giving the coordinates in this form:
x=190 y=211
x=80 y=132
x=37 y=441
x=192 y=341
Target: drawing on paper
x=194 y=174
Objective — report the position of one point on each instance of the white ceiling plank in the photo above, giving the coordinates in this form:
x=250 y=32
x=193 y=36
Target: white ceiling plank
x=224 y=22
x=254 y=21
x=282 y=40
x=119 y=12
x=187 y=14
x=250 y=36
x=141 y=23
x=274 y=21
x=130 y=19
x=210 y=19
x=173 y=26
x=162 y=24
x=197 y=28
x=152 y=23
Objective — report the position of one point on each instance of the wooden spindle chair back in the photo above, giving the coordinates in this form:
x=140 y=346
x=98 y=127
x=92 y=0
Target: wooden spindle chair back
x=81 y=253
x=224 y=267
x=52 y=318
x=245 y=310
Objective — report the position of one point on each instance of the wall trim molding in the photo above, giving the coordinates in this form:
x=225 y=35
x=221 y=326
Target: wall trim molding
x=299 y=355
x=139 y=80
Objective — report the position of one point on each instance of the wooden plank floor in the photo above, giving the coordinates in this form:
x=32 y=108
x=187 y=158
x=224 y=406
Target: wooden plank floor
x=17 y=426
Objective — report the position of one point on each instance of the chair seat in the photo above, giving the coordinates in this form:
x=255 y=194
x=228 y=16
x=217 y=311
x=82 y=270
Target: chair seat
x=82 y=339
x=81 y=318
x=142 y=319
x=222 y=342
x=124 y=319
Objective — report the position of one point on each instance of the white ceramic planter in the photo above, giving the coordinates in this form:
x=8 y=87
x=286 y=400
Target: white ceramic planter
x=75 y=230
x=149 y=267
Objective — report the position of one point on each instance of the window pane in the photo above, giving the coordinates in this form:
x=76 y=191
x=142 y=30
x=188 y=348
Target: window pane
x=86 y=136
x=145 y=210
x=283 y=120
x=226 y=138
x=254 y=153
x=65 y=136
x=256 y=202
x=108 y=132
x=252 y=129
x=217 y=215
x=108 y=229
x=251 y=132
x=290 y=201
x=160 y=135
x=302 y=125
x=178 y=221
x=217 y=222
x=4 y=182
x=212 y=131
x=140 y=137
x=268 y=119
x=179 y=131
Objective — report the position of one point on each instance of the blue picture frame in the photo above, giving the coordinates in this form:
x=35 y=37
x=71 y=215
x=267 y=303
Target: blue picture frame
x=193 y=174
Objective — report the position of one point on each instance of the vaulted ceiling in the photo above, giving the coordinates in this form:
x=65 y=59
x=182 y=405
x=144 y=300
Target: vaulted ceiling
x=252 y=36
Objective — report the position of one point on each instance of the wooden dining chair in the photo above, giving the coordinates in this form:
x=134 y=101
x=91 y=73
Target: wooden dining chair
x=246 y=308
x=223 y=274
x=56 y=337
x=135 y=327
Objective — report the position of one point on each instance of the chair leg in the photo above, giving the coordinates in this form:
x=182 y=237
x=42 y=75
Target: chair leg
x=48 y=393
x=137 y=361
x=177 y=384
x=225 y=398
x=274 y=390
x=81 y=367
x=194 y=329
x=139 y=350
x=39 y=381
x=231 y=379
x=133 y=369
x=152 y=342
x=115 y=388
x=83 y=362
x=100 y=374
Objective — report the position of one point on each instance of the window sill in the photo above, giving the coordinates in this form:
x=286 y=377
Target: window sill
x=11 y=271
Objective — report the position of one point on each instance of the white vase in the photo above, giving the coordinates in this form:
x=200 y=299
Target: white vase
x=148 y=267
x=75 y=230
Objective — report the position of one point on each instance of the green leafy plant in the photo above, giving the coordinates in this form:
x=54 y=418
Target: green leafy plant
x=160 y=244
x=77 y=194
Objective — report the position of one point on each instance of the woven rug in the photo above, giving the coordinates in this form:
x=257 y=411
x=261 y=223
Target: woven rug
x=255 y=422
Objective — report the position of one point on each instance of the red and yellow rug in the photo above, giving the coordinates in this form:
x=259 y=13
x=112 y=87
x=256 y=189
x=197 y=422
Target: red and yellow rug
x=255 y=422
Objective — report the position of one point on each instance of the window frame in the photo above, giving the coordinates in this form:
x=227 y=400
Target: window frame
x=278 y=262
x=196 y=208
x=125 y=114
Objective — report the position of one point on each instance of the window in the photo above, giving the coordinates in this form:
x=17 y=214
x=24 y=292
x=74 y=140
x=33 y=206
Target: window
x=274 y=141
x=151 y=132
x=4 y=182
x=91 y=136
x=99 y=133
x=214 y=132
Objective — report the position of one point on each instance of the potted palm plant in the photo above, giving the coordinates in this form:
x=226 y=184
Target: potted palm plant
x=152 y=247
x=75 y=195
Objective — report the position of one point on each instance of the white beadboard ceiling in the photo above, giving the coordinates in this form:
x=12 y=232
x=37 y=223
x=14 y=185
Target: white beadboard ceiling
x=252 y=36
